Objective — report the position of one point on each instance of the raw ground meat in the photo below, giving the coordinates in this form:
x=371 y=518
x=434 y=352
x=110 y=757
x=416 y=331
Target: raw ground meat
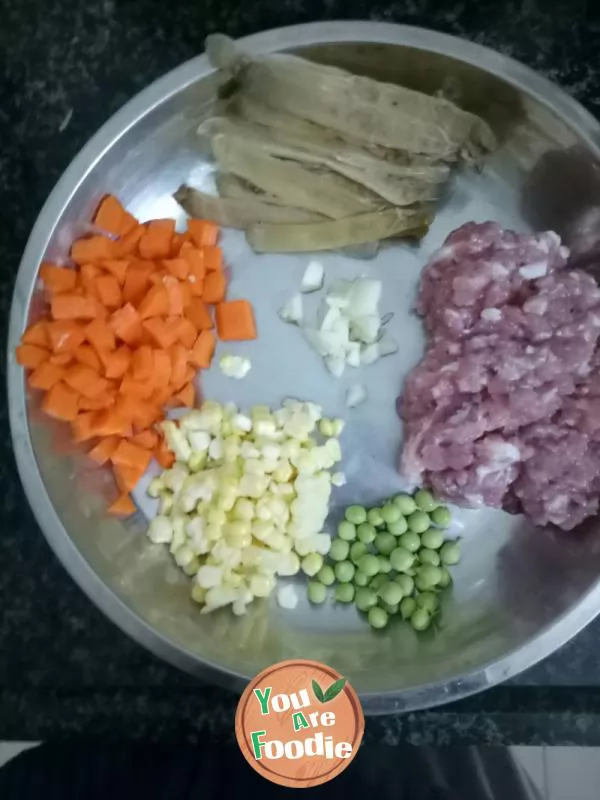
x=504 y=408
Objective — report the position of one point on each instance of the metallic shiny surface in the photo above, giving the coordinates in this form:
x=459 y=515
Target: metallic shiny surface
x=519 y=593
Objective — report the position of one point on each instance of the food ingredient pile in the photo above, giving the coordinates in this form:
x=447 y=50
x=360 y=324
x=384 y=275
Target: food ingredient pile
x=504 y=409
x=311 y=157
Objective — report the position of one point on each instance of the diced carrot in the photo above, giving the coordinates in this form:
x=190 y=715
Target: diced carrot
x=58 y=279
x=116 y=363
x=195 y=261
x=89 y=274
x=65 y=336
x=163 y=455
x=141 y=389
x=128 y=244
x=162 y=334
x=203 y=232
x=45 y=376
x=155 y=302
x=156 y=241
x=147 y=439
x=107 y=422
x=127 y=477
x=104 y=449
x=85 y=354
x=30 y=356
x=72 y=306
x=178 y=267
x=186 y=294
x=109 y=291
x=96 y=403
x=161 y=395
x=113 y=218
x=117 y=268
x=85 y=380
x=214 y=288
x=61 y=360
x=126 y=324
x=203 y=350
x=148 y=414
x=179 y=360
x=93 y=250
x=136 y=283
x=199 y=315
x=186 y=331
x=187 y=395
x=37 y=334
x=177 y=242
x=142 y=363
x=162 y=368
x=131 y=455
x=213 y=258
x=122 y=507
x=82 y=426
x=100 y=336
x=60 y=402
x=235 y=321
x=174 y=295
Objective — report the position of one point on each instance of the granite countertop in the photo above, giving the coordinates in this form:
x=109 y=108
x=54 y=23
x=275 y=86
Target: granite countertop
x=67 y=66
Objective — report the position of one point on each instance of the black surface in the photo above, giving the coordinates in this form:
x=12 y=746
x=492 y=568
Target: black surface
x=66 y=66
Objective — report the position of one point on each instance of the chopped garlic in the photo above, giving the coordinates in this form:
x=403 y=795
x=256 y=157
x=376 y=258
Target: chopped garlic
x=235 y=366
x=293 y=311
x=313 y=277
x=287 y=597
x=356 y=395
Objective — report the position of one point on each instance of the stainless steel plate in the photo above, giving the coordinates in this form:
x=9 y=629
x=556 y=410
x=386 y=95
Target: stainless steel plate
x=519 y=593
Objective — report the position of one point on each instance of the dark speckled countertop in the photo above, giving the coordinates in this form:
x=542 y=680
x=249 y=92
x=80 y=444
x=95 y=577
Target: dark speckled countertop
x=66 y=67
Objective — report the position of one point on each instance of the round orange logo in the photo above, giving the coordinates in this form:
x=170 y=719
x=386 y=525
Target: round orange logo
x=299 y=723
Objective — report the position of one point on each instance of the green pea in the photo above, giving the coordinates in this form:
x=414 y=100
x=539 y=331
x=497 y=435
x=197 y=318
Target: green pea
x=407 y=607
x=344 y=593
x=369 y=564
x=405 y=503
x=432 y=538
x=339 y=550
x=418 y=522
x=390 y=513
x=360 y=579
x=366 y=533
x=450 y=553
x=347 y=531
x=410 y=541
x=427 y=577
x=428 y=601
x=385 y=543
x=357 y=549
x=356 y=514
x=317 y=592
x=326 y=575
x=392 y=610
x=377 y=582
x=378 y=618
x=446 y=578
x=398 y=527
x=441 y=516
x=401 y=559
x=365 y=599
x=420 y=619
x=374 y=517
x=344 y=571
x=406 y=583
x=391 y=593
x=429 y=557
x=385 y=565
x=425 y=500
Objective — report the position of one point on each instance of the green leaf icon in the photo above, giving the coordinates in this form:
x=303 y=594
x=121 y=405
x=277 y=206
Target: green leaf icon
x=318 y=692
x=332 y=692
